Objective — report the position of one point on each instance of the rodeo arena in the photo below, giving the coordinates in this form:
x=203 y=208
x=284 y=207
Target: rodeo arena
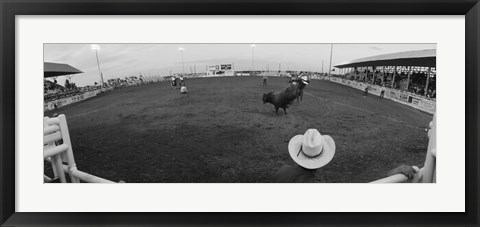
x=368 y=120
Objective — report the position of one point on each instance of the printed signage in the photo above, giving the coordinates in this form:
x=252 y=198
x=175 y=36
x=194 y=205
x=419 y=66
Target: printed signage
x=428 y=105
x=415 y=101
x=226 y=67
x=212 y=67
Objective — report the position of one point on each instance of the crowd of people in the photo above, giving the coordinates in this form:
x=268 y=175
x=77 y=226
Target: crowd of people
x=416 y=84
x=53 y=91
x=61 y=95
x=127 y=82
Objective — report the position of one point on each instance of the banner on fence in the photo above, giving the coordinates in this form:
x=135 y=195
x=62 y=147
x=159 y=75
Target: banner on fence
x=403 y=97
x=413 y=100
x=77 y=98
x=428 y=105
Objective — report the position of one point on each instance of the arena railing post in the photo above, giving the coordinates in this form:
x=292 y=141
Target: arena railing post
x=66 y=140
x=430 y=160
x=54 y=168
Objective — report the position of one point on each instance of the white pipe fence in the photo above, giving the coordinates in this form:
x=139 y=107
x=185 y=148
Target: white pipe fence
x=57 y=149
x=400 y=178
x=428 y=173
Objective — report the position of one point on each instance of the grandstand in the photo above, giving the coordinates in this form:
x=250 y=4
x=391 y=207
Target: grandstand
x=51 y=89
x=412 y=71
x=55 y=95
x=406 y=77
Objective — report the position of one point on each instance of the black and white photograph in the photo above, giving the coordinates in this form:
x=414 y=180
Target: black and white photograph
x=251 y=113
x=239 y=112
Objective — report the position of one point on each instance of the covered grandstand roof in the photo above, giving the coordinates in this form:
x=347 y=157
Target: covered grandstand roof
x=424 y=58
x=57 y=69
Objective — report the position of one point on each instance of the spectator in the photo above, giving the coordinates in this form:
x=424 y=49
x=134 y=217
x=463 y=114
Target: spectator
x=408 y=171
x=382 y=92
x=310 y=152
x=416 y=84
x=365 y=93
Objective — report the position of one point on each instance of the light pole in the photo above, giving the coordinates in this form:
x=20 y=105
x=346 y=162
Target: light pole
x=330 y=68
x=181 y=53
x=96 y=48
x=253 y=58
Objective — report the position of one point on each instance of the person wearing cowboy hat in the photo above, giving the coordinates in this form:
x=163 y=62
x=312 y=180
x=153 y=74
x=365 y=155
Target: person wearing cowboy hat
x=310 y=152
x=304 y=79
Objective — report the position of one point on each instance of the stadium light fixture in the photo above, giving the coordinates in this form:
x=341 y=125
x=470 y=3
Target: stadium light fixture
x=96 y=48
x=330 y=68
x=253 y=58
x=181 y=49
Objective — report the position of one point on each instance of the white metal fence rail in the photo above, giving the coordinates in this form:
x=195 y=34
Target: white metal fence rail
x=57 y=149
x=427 y=174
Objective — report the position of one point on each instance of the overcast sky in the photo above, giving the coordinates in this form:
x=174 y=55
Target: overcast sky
x=120 y=60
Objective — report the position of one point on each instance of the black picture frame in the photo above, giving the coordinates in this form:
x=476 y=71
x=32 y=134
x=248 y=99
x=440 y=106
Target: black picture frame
x=10 y=8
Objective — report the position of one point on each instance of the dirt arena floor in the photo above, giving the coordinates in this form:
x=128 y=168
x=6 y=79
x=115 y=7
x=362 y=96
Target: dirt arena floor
x=222 y=132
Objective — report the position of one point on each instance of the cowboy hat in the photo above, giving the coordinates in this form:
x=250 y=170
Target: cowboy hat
x=311 y=150
x=305 y=80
